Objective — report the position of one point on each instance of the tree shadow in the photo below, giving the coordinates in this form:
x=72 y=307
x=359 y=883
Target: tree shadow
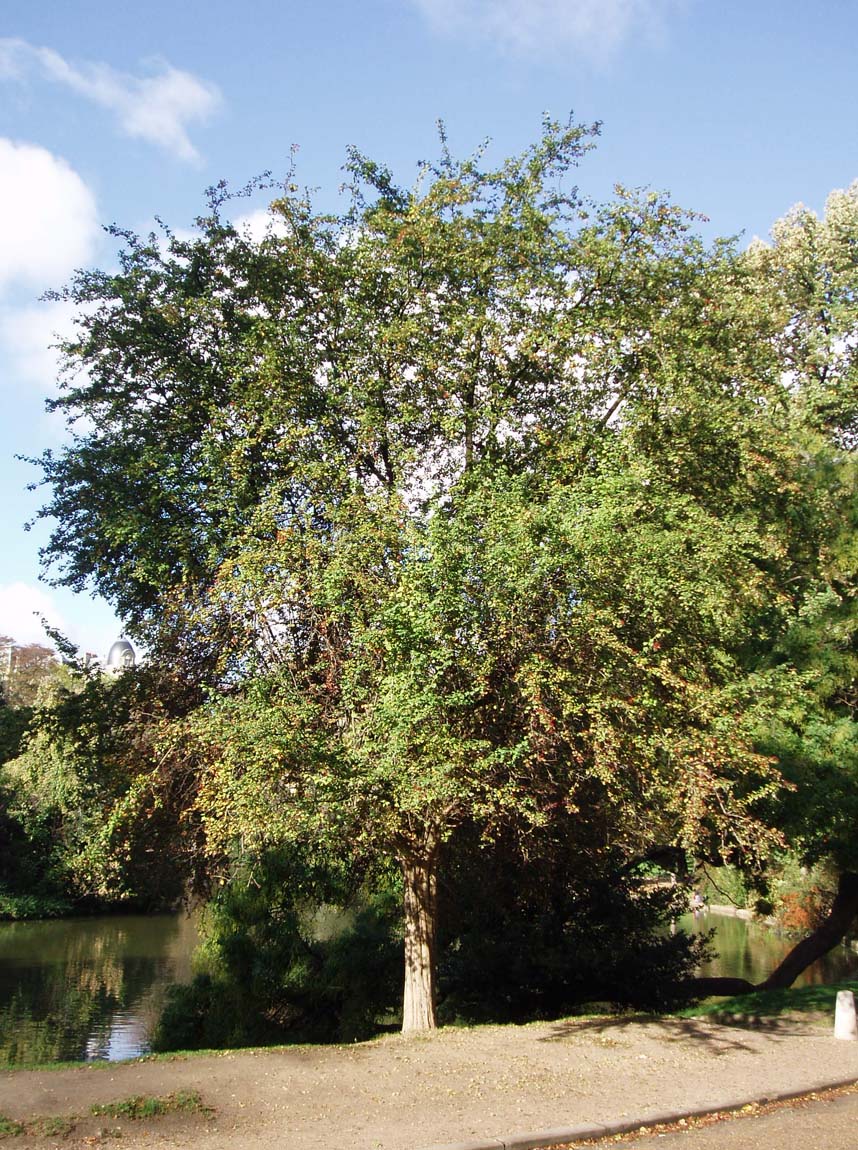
x=721 y=1036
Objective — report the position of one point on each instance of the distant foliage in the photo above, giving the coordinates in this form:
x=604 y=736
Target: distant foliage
x=23 y=670
x=84 y=821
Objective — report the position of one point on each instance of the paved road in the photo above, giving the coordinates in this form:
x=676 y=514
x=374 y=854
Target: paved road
x=806 y=1125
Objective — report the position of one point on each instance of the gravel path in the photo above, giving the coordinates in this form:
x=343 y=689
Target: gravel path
x=455 y=1085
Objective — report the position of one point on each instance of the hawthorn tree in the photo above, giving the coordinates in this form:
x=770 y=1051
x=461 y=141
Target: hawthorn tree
x=453 y=500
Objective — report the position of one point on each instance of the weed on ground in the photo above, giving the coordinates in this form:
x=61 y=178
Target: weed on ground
x=142 y=1106
x=139 y=1106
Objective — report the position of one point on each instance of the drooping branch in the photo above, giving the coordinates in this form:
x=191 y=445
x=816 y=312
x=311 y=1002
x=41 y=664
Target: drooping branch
x=828 y=934
x=707 y=987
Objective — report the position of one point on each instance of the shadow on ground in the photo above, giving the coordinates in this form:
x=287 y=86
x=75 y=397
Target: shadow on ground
x=721 y=1036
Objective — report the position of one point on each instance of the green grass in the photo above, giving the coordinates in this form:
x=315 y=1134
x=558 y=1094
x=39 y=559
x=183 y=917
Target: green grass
x=69 y=1064
x=19 y=907
x=56 y=1126
x=140 y=1106
x=8 y=1128
x=148 y=1106
x=771 y=1003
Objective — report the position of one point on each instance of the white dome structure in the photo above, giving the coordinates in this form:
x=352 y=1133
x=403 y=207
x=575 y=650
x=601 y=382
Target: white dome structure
x=121 y=657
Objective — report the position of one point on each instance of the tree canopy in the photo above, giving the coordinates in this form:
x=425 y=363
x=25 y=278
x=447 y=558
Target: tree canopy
x=466 y=504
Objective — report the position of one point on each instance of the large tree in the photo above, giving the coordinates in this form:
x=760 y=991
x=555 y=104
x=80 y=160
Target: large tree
x=452 y=499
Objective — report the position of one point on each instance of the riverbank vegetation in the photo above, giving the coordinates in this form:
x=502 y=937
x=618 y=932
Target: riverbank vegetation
x=488 y=545
x=522 y=938
x=81 y=829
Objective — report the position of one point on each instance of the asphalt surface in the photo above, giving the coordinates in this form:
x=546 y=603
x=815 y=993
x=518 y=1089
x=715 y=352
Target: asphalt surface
x=806 y=1124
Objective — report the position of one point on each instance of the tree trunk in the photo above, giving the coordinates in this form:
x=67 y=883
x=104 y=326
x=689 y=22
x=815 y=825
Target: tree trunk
x=419 y=873
x=827 y=934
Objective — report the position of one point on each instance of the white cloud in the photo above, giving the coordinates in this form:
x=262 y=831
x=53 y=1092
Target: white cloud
x=48 y=227
x=22 y=607
x=48 y=218
x=592 y=27
x=28 y=336
x=157 y=108
x=88 y=623
x=260 y=223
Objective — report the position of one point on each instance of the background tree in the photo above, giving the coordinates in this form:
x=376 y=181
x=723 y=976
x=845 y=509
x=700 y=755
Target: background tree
x=808 y=278
x=22 y=670
x=26 y=887
x=799 y=296
x=92 y=823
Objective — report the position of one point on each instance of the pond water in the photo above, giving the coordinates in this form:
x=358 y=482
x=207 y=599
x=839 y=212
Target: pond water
x=88 y=988
x=748 y=950
x=93 y=988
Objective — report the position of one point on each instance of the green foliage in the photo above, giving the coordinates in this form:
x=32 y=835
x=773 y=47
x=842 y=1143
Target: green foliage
x=10 y=1128
x=729 y=885
x=25 y=671
x=804 y=284
x=13 y=724
x=523 y=938
x=138 y=1107
x=82 y=817
x=807 y=277
x=23 y=906
x=408 y=502
x=29 y=884
x=800 y=896
x=54 y=1126
x=474 y=502
x=815 y=737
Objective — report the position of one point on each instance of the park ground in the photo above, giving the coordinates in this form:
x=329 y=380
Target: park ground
x=454 y=1085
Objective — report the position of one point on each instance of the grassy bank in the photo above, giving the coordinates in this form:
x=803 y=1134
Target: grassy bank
x=771 y=1003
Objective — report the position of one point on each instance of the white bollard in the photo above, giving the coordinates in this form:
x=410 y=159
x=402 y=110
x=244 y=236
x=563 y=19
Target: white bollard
x=845 y=1024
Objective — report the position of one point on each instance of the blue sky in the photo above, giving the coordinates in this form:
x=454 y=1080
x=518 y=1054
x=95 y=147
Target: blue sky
x=119 y=112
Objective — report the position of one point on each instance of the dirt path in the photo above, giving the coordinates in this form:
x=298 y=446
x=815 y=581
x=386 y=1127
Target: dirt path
x=397 y=1094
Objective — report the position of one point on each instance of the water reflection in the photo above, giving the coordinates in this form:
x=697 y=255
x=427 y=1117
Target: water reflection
x=87 y=988
x=747 y=950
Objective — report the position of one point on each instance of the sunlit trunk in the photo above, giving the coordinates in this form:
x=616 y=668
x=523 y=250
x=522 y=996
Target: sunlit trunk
x=419 y=873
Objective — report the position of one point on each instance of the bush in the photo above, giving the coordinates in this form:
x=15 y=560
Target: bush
x=296 y=950
x=538 y=937
x=23 y=906
x=801 y=895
